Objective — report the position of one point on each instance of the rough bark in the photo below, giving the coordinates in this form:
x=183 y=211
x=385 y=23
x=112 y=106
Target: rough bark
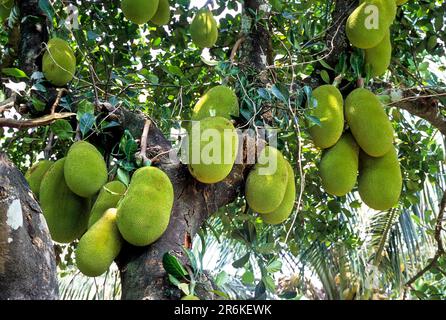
x=33 y=33
x=27 y=261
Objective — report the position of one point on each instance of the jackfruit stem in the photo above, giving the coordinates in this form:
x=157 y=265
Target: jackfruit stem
x=360 y=82
x=337 y=81
x=145 y=133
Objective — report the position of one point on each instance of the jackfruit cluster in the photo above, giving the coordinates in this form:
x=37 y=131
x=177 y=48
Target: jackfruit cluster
x=5 y=8
x=368 y=27
x=270 y=187
x=143 y=11
x=144 y=212
x=366 y=148
x=212 y=149
x=35 y=174
x=203 y=29
x=219 y=101
x=59 y=62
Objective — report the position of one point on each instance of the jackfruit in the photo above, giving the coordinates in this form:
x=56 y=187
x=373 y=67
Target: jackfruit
x=59 y=62
x=144 y=212
x=108 y=197
x=203 y=29
x=35 y=174
x=339 y=166
x=213 y=146
x=190 y=297
x=162 y=15
x=286 y=206
x=65 y=212
x=5 y=8
x=380 y=180
x=139 y=11
x=85 y=169
x=378 y=58
x=400 y=2
x=367 y=24
x=220 y=101
x=99 y=246
x=368 y=122
x=330 y=112
x=267 y=183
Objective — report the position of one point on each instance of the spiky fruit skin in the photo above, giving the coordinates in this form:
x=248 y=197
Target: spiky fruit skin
x=380 y=180
x=5 y=8
x=59 y=62
x=361 y=30
x=99 y=246
x=213 y=149
x=220 y=101
x=190 y=297
x=368 y=122
x=85 y=169
x=378 y=58
x=144 y=213
x=400 y=2
x=162 y=15
x=139 y=11
x=267 y=182
x=330 y=112
x=339 y=166
x=203 y=29
x=108 y=197
x=286 y=206
x=35 y=174
x=65 y=212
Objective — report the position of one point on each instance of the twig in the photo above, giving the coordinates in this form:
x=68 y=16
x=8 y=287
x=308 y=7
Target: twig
x=49 y=146
x=7 y=104
x=57 y=101
x=96 y=96
x=33 y=123
x=144 y=136
x=235 y=48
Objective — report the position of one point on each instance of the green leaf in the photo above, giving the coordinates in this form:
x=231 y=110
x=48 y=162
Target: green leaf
x=325 y=76
x=248 y=278
x=123 y=176
x=84 y=106
x=221 y=278
x=47 y=8
x=325 y=65
x=173 y=280
x=173 y=266
x=280 y=92
x=274 y=266
x=269 y=284
x=62 y=129
x=86 y=122
x=38 y=105
x=313 y=120
x=185 y=288
x=241 y=262
x=14 y=72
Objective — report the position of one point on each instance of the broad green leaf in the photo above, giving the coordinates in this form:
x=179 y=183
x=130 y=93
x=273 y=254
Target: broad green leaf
x=173 y=266
x=62 y=129
x=14 y=72
x=242 y=261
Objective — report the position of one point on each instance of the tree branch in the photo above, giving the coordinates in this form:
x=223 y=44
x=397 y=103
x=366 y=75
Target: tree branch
x=33 y=123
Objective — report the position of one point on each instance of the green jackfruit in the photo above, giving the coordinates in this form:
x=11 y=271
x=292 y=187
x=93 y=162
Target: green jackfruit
x=267 y=182
x=99 y=246
x=378 y=58
x=330 y=112
x=65 y=212
x=35 y=174
x=5 y=8
x=213 y=147
x=59 y=62
x=108 y=197
x=400 y=2
x=380 y=180
x=162 y=15
x=220 y=101
x=286 y=206
x=368 y=23
x=139 y=11
x=85 y=169
x=339 y=166
x=368 y=122
x=190 y=297
x=144 y=213
x=203 y=29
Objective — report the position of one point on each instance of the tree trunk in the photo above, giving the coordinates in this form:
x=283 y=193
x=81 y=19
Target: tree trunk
x=27 y=261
